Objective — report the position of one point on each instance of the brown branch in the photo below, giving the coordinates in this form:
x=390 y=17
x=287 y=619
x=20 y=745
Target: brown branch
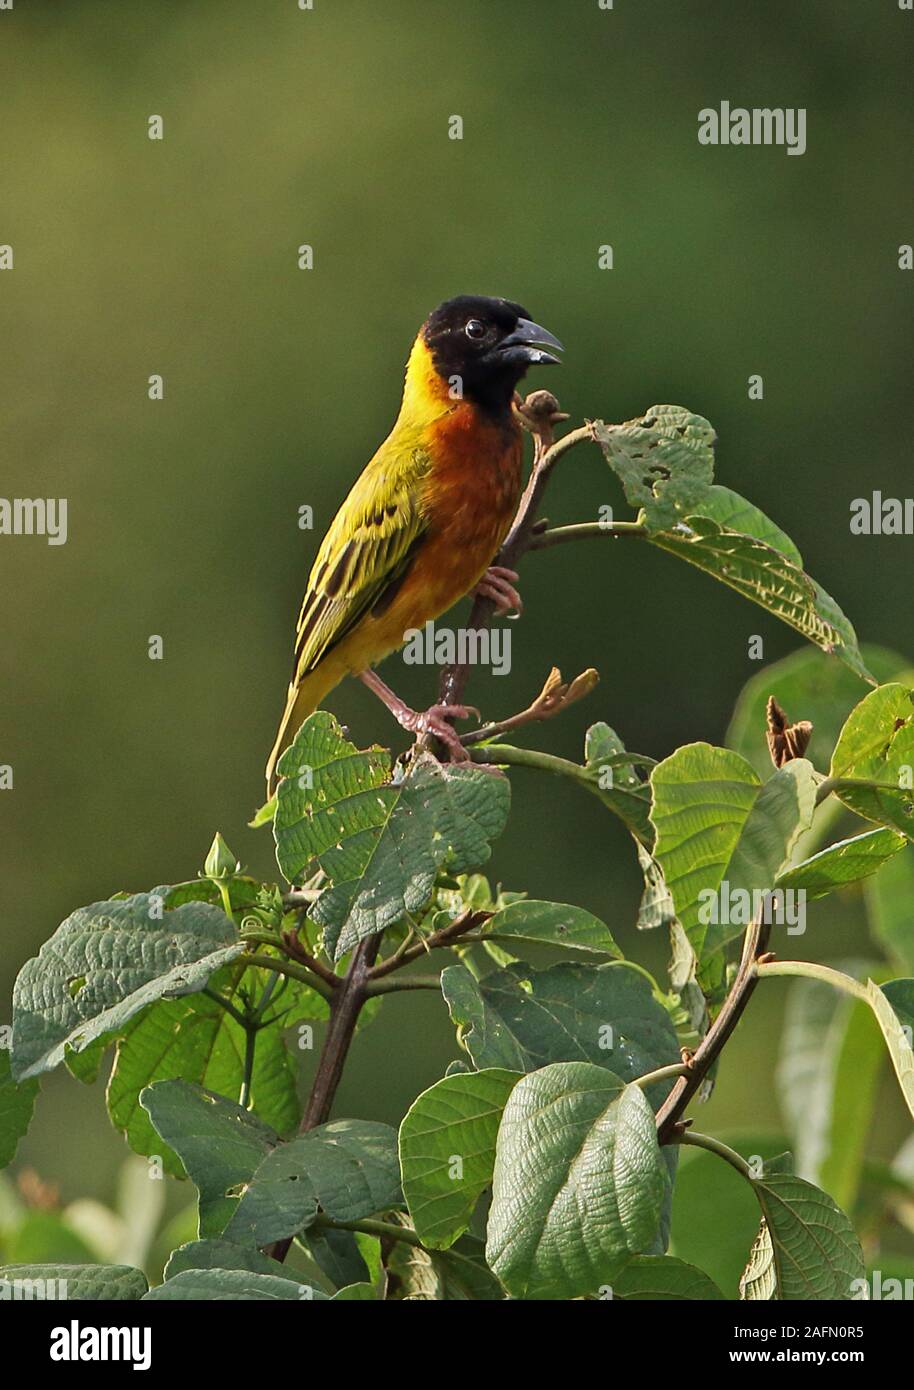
x=669 y=1116
x=467 y=921
x=296 y=950
x=345 y=1007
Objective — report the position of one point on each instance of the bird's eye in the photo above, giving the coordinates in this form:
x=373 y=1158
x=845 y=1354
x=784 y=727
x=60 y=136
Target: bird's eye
x=475 y=329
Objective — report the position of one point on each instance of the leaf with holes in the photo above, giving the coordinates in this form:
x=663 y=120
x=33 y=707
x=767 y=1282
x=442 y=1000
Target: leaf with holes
x=754 y=566
x=522 y=1019
x=552 y=924
x=219 y=1143
x=105 y=963
x=380 y=844
x=876 y=746
x=664 y=460
x=347 y=1167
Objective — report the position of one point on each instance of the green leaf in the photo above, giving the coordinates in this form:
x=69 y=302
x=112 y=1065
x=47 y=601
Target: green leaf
x=105 y=1283
x=856 y=1078
x=356 y=1293
x=447 y=1151
x=735 y=513
x=808 y=686
x=663 y=1278
x=715 y=1213
x=814 y=1023
x=196 y=1040
x=348 y=1167
x=219 y=1284
x=85 y=1065
x=105 y=963
x=877 y=745
x=766 y=576
x=888 y=900
x=664 y=459
x=16 y=1104
x=578 y=1185
x=219 y=1143
x=522 y=1019
x=218 y=1254
x=552 y=924
x=337 y=1254
x=44 y=1237
x=830 y=1055
x=718 y=824
x=615 y=781
x=759 y=1281
x=657 y=908
x=893 y=1006
x=381 y=845
x=816 y=1253
x=458 y=1274
x=243 y=891
x=848 y=861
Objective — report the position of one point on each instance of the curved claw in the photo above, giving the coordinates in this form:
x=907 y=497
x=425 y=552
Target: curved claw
x=498 y=584
x=436 y=721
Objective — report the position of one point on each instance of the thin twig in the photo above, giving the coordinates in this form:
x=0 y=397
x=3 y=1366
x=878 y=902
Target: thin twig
x=226 y=1004
x=586 y=530
x=297 y=951
x=716 y=1146
x=662 y=1074
x=391 y=986
x=808 y=970
x=465 y=922
x=556 y=695
x=293 y=970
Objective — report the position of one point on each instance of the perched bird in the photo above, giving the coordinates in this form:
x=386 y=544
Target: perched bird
x=423 y=522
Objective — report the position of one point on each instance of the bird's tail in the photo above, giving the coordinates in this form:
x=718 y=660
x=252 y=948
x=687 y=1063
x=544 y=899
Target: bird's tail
x=303 y=699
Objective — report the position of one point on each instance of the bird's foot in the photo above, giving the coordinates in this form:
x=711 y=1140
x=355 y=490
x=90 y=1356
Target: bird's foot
x=433 y=721
x=498 y=584
x=436 y=721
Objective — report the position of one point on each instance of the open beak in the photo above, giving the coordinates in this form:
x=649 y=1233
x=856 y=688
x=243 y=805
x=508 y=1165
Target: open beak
x=527 y=344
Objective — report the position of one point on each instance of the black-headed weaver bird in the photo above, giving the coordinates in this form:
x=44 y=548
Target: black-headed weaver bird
x=425 y=519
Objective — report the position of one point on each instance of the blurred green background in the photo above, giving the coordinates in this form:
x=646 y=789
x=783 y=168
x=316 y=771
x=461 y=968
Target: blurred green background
x=178 y=257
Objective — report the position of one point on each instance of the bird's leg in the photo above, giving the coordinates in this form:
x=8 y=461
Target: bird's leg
x=498 y=584
x=433 y=720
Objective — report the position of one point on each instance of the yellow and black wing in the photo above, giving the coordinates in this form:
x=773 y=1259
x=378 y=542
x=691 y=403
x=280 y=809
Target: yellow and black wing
x=365 y=555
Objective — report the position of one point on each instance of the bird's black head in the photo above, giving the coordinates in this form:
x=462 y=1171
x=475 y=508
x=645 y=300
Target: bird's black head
x=487 y=344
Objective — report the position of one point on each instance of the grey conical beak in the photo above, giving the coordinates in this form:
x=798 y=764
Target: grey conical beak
x=531 y=338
